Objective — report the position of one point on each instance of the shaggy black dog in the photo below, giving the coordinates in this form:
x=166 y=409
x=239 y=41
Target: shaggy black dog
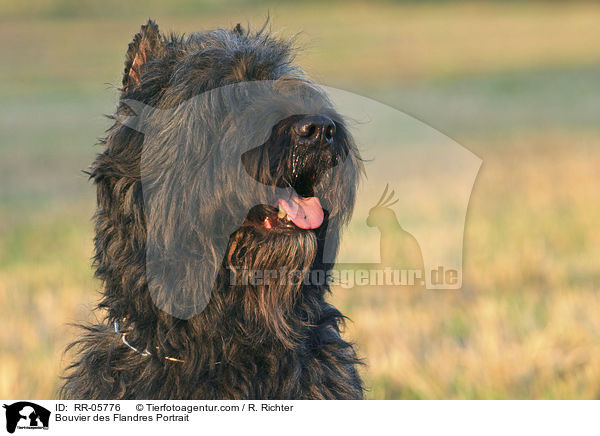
x=224 y=125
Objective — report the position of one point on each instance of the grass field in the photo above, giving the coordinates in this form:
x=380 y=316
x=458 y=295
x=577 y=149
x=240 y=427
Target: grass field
x=516 y=83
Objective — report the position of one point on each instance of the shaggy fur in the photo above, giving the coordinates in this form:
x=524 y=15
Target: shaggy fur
x=265 y=341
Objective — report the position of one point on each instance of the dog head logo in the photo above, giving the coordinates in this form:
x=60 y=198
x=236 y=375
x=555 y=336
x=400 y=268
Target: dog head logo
x=26 y=415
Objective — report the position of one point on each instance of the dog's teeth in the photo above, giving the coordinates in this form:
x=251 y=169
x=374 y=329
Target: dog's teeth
x=282 y=213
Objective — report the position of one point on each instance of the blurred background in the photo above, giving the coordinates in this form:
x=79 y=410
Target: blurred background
x=517 y=83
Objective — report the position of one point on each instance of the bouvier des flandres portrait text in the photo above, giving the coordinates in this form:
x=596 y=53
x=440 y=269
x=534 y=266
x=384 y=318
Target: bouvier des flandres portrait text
x=222 y=189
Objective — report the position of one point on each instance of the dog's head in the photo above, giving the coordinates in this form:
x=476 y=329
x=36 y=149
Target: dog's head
x=236 y=163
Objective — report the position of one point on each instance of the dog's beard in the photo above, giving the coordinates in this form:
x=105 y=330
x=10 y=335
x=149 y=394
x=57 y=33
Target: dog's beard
x=266 y=270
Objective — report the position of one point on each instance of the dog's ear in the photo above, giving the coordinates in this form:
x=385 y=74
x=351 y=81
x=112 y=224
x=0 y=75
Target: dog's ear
x=146 y=46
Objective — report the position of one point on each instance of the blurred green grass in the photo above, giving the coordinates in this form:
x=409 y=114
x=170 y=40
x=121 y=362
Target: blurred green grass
x=517 y=83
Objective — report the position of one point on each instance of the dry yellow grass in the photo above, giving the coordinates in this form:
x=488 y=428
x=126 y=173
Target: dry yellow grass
x=525 y=325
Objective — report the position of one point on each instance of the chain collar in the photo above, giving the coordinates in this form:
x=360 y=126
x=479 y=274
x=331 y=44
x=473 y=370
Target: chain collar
x=142 y=353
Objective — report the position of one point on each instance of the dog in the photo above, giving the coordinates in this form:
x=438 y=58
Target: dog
x=263 y=173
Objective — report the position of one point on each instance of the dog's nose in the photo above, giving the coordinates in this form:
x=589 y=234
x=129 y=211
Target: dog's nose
x=315 y=129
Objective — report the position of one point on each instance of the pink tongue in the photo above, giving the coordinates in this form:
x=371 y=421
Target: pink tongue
x=306 y=213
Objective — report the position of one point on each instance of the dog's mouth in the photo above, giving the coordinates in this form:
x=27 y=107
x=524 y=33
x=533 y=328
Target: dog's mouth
x=295 y=208
x=297 y=157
